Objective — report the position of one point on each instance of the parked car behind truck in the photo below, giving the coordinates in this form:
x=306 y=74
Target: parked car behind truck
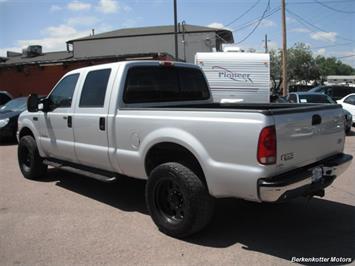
x=348 y=103
x=314 y=97
x=9 y=114
x=156 y=121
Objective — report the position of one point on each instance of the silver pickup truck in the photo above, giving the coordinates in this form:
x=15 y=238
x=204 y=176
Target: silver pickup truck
x=156 y=121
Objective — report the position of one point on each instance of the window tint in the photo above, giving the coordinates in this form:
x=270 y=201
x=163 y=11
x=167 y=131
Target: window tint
x=63 y=93
x=94 y=89
x=340 y=92
x=163 y=84
x=292 y=98
x=350 y=100
x=192 y=84
x=4 y=98
x=315 y=98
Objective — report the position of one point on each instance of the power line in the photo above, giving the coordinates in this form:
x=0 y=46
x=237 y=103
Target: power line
x=333 y=45
x=325 y=2
x=307 y=23
x=346 y=56
x=243 y=14
x=252 y=22
x=334 y=9
x=258 y=23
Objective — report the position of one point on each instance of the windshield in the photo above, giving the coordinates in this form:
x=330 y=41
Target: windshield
x=315 y=98
x=19 y=104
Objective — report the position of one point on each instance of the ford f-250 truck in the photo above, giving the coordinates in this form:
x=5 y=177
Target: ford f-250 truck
x=157 y=121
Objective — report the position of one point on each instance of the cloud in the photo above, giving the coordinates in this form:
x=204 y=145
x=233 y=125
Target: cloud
x=266 y=23
x=299 y=30
x=59 y=31
x=54 y=8
x=324 y=36
x=54 y=39
x=273 y=45
x=129 y=23
x=218 y=25
x=78 y=6
x=321 y=51
x=108 y=6
x=290 y=20
x=82 y=21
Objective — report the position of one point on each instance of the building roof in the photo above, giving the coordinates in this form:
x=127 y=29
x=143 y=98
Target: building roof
x=341 y=77
x=43 y=58
x=155 y=30
x=66 y=57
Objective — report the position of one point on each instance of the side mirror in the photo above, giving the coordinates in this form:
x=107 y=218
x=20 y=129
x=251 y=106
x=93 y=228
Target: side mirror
x=32 y=103
x=44 y=105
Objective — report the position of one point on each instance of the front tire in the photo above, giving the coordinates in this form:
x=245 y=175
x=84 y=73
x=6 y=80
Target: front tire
x=178 y=201
x=30 y=162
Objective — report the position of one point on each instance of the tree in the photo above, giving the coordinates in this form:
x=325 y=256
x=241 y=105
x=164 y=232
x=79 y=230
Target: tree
x=275 y=69
x=332 y=66
x=303 y=66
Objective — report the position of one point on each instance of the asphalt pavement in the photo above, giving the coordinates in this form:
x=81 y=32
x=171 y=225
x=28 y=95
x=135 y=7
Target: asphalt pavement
x=68 y=219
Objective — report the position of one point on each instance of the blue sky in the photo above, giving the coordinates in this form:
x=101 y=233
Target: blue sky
x=328 y=26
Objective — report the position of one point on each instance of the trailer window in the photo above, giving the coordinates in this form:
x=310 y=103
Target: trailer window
x=164 y=84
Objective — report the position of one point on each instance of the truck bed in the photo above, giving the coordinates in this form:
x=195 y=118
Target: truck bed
x=266 y=109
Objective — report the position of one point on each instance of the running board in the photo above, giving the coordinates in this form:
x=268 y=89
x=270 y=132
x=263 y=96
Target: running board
x=83 y=170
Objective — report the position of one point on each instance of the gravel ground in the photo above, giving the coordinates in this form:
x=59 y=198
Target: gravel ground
x=68 y=219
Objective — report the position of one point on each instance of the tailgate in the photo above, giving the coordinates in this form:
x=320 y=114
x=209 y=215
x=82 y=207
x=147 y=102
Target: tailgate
x=308 y=136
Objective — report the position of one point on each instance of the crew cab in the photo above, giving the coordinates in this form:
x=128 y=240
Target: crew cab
x=157 y=121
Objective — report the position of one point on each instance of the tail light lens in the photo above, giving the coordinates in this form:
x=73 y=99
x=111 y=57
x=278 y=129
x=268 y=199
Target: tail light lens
x=166 y=63
x=267 y=146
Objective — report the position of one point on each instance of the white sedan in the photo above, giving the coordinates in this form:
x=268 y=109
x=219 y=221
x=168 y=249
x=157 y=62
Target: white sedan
x=348 y=103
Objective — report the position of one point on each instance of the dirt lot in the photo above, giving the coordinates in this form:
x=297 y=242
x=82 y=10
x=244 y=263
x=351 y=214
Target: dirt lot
x=70 y=220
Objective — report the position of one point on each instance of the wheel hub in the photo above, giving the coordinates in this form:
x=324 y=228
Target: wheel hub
x=170 y=201
x=175 y=199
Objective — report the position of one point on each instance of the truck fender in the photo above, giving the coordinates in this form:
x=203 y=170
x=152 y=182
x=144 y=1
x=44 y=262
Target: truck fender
x=27 y=123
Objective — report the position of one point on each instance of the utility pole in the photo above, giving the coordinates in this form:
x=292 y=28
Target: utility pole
x=176 y=33
x=284 y=50
x=265 y=45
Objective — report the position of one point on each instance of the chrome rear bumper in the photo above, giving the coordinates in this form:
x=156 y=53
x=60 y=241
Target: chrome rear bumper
x=304 y=181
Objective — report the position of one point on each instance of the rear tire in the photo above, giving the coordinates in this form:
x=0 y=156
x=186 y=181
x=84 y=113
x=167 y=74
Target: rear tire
x=178 y=201
x=30 y=162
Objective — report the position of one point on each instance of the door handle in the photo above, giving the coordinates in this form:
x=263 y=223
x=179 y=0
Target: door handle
x=69 y=121
x=102 y=123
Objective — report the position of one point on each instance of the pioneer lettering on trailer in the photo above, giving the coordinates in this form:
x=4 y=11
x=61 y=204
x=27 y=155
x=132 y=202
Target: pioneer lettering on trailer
x=226 y=73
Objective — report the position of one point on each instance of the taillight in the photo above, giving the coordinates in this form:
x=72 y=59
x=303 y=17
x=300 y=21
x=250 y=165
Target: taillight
x=267 y=146
x=166 y=63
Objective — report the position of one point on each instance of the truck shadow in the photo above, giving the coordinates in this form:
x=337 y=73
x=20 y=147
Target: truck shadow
x=352 y=133
x=126 y=194
x=300 y=228
x=8 y=142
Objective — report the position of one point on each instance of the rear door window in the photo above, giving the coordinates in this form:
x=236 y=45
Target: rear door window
x=94 y=89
